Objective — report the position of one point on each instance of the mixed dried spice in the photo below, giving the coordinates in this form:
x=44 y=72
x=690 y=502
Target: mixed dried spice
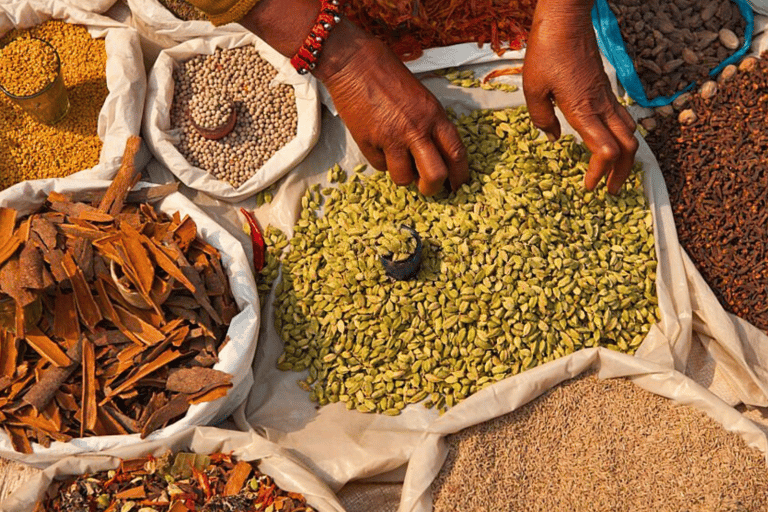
x=32 y=150
x=112 y=315
x=174 y=483
x=715 y=170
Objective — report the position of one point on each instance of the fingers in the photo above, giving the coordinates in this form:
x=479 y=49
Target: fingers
x=542 y=110
x=624 y=132
x=400 y=166
x=432 y=171
x=613 y=146
x=374 y=155
x=454 y=154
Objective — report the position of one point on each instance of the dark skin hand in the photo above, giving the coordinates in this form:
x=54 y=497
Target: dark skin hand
x=397 y=123
x=563 y=63
x=402 y=128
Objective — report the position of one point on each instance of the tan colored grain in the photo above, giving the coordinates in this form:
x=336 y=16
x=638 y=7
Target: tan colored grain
x=601 y=445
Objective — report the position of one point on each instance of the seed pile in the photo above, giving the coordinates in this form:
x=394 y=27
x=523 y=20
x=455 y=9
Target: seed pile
x=181 y=482
x=519 y=266
x=209 y=110
x=275 y=242
x=32 y=150
x=717 y=179
x=27 y=66
x=596 y=445
x=674 y=43
x=266 y=116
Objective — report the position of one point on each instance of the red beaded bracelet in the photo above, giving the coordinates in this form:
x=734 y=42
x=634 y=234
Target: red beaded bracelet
x=305 y=59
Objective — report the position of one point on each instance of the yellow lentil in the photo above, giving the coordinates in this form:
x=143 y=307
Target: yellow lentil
x=27 y=66
x=30 y=150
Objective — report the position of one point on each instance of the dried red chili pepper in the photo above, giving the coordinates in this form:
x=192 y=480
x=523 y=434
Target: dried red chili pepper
x=256 y=239
x=411 y=26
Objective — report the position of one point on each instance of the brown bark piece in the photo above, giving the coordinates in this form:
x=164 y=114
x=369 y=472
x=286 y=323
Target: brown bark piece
x=167 y=264
x=7 y=223
x=88 y=402
x=151 y=366
x=86 y=305
x=66 y=325
x=47 y=348
x=32 y=268
x=193 y=380
x=41 y=393
x=145 y=332
x=45 y=230
x=9 y=353
x=19 y=439
x=144 y=195
x=10 y=283
x=237 y=478
x=185 y=233
x=142 y=265
x=210 y=395
x=112 y=201
x=199 y=293
x=176 y=407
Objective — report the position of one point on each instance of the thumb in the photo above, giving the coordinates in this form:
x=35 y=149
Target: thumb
x=542 y=111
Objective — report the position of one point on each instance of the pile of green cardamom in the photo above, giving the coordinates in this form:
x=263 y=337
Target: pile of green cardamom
x=520 y=266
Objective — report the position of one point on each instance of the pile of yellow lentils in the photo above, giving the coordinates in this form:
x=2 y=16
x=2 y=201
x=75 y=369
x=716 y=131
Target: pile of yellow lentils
x=32 y=150
x=27 y=66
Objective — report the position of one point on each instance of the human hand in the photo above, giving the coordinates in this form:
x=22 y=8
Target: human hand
x=563 y=64
x=397 y=123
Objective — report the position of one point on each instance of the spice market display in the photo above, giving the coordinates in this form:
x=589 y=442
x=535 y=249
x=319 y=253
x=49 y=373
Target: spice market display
x=520 y=266
x=113 y=315
x=33 y=150
x=713 y=159
x=177 y=483
x=673 y=44
x=209 y=91
x=594 y=445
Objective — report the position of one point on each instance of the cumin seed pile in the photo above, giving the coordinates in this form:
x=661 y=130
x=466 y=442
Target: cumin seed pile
x=601 y=445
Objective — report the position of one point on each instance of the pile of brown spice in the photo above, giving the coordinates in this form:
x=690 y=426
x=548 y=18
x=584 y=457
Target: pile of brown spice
x=597 y=445
x=113 y=315
x=32 y=150
x=716 y=173
x=176 y=483
x=674 y=43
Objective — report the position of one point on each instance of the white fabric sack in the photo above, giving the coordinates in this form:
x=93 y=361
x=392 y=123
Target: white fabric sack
x=506 y=396
x=344 y=445
x=161 y=137
x=120 y=116
x=154 y=17
x=288 y=473
x=235 y=357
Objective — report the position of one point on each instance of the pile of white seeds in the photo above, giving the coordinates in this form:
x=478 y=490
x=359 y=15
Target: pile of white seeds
x=266 y=116
x=209 y=109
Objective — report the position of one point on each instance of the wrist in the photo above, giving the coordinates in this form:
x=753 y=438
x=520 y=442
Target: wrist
x=569 y=13
x=344 y=45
